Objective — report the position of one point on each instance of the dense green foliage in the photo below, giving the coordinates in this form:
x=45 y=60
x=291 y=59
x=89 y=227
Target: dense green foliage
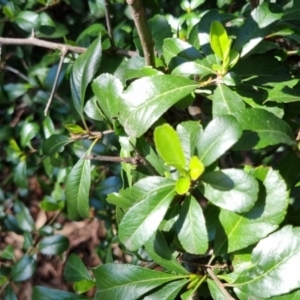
x=181 y=133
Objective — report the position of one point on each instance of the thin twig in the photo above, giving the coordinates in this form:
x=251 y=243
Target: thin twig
x=219 y=284
x=108 y=25
x=116 y=159
x=143 y=31
x=62 y=57
x=17 y=72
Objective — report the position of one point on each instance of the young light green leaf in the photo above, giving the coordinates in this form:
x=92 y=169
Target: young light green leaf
x=113 y=281
x=84 y=70
x=231 y=189
x=219 y=41
x=168 y=146
x=148 y=98
x=160 y=252
x=142 y=220
x=273 y=259
x=55 y=143
x=108 y=89
x=226 y=102
x=83 y=286
x=77 y=190
x=75 y=129
x=191 y=228
x=262 y=129
x=218 y=136
x=183 y=185
x=196 y=168
x=237 y=231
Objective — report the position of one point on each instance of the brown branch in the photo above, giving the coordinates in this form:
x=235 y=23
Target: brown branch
x=116 y=159
x=143 y=31
x=108 y=25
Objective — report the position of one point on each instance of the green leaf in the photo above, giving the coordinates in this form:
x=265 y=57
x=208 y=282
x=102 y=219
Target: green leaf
x=142 y=220
x=255 y=28
x=20 y=175
x=218 y=136
x=77 y=190
x=191 y=227
x=231 y=189
x=262 y=129
x=23 y=269
x=8 y=253
x=9 y=294
x=183 y=185
x=108 y=89
x=84 y=70
x=54 y=244
x=160 y=252
x=168 y=146
x=168 y=291
x=75 y=129
x=189 y=133
x=291 y=10
x=27 y=20
x=273 y=259
x=182 y=58
x=28 y=132
x=93 y=111
x=41 y=292
x=23 y=216
x=219 y=41
x=215 y=290
x=75 y=270
x=55 y=143
x=226 y=102
x=148 y=98
x=237 y=231
x=113 y=281
x=83 y=286
x=196 y=168
x=47 y=26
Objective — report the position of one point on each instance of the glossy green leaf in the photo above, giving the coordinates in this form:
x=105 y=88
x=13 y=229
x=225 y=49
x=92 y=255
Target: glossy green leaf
x=75 y=129
x=108 y=89
x=189 y=133
x=27 y=20
x=113 y=281
x=93 y=111
x=20 y=175
x=83 y=286
x=168 y=291
x=160 y=252
x=54 y=244
x=23 y=269
x=75 y=270
x=183 y=185
x=84 y=70
x=218 y=136
x=226 y=102
x=23 y=216
x=215 y=290
x=231 y=189
x=262 y=129
x=77 y=190
x=47 y=26
x=55 y=143
x=8 y=253
x=168 y=145
x=191 y=227
x=253 y=31
x=219 y=41
x=237 y=231
x=28 y=132
x=273 y=259
x=148 y=98
x=142 y=220
x=291 y=10
x=196 y=168
x=41 y=292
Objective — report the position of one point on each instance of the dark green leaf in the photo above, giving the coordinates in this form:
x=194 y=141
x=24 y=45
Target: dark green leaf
x=108 y=89
x=273 y=259
x=231 y=189
x=218 y=136
x=54 y=244
x=27 y=20
x=226 y=102
x=20 y=175
x=142 y=220
x=191 y=228
x=75 y=270
x=168 y=146
x=262 y=129
x=55 y=143
x=78 y=188
x=23 y=216
x=23 y=269
x=146 y=99
x=291 y=10
x=237 y=231
x=84 y=70
x=160 y=252
x=113 y=281
x=41 y=292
